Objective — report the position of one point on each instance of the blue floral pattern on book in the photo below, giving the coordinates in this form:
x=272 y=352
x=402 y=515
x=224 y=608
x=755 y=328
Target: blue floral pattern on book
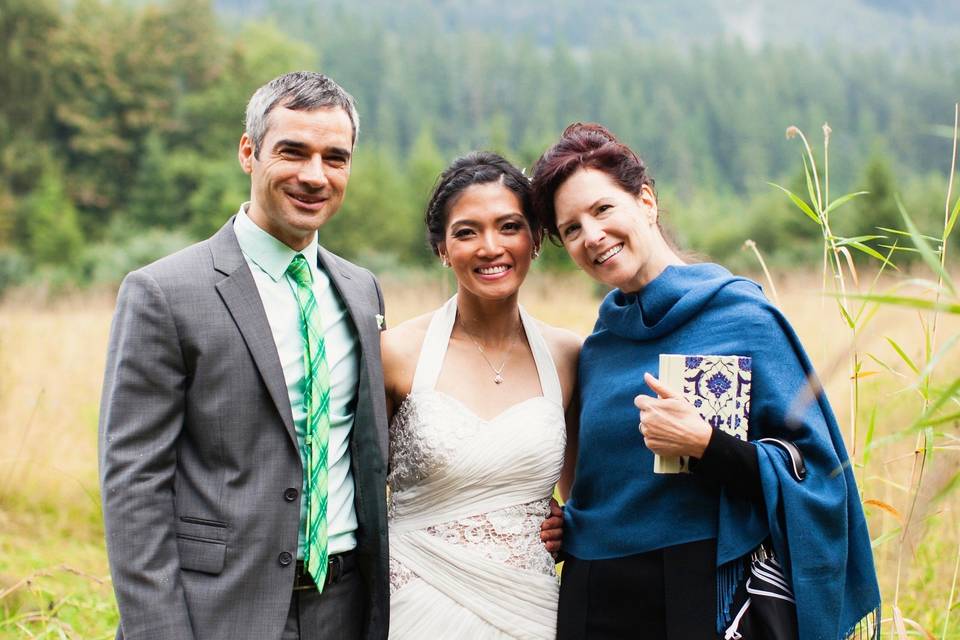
x=718 y=384
x=719 y=387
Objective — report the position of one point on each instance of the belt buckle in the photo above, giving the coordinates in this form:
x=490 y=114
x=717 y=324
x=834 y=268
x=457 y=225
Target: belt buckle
x=302 y=579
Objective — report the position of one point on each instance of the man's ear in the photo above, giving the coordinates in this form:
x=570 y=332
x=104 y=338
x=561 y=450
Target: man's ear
x=245 y=154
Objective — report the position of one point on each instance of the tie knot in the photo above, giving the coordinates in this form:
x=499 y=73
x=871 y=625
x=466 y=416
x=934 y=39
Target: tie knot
x=299 y=270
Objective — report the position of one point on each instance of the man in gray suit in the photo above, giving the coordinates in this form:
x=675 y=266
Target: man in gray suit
x=235 y=366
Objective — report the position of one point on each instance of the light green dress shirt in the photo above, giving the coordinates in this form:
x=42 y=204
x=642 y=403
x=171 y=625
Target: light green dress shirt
x=268 y=259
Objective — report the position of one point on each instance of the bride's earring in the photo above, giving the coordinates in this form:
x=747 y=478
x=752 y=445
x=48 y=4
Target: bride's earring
x=444 y=260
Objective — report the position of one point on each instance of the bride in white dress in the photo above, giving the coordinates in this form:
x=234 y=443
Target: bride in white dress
x=478 y=392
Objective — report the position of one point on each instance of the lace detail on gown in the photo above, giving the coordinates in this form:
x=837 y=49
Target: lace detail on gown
x=417 y=447
x=510 y=536
x=400 y=575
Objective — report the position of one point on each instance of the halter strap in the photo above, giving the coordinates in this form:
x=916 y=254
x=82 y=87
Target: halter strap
x=434 y=348
x=437 y=338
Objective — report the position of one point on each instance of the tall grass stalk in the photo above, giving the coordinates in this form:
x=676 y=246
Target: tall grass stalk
x=938 y=406
x=750 y=244
x=12 y=468
x=926 y=436
x=948 y=227
x=953 y=589
x=835 y=257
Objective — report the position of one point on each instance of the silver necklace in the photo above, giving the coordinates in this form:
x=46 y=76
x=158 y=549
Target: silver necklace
x=498 y=371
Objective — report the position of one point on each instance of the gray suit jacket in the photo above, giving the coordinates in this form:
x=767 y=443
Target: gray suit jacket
x=197 y=450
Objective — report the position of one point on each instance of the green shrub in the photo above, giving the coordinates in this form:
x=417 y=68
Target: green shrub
x=14 y=269
x=107 y=263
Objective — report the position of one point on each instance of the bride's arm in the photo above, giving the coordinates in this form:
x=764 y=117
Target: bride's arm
x=570 y=452
x=551 y=531
x=565 y=347
x=389 y=359
x=399 y=352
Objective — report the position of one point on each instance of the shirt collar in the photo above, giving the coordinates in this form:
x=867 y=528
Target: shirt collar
x=267 y=252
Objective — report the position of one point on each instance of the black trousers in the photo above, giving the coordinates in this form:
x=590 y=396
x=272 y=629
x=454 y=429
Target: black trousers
x=667 y=594
x=336 y=614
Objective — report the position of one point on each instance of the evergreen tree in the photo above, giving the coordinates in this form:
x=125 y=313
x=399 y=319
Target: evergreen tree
x=379 y=223
x=50 y=220
x=878 y=207
x=424 y=164
x=154 y=200
x=27 y=103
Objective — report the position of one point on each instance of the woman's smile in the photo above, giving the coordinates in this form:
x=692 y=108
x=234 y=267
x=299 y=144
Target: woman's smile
x=609 y=253
x=493 y=272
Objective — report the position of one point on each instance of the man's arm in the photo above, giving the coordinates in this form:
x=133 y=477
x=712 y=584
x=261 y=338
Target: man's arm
x=141 y=417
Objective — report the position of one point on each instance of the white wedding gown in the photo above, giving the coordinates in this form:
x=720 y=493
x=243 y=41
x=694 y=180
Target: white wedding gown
x=467 y=499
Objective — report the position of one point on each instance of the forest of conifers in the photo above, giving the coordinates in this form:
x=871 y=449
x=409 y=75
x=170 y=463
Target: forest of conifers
x=119 y=121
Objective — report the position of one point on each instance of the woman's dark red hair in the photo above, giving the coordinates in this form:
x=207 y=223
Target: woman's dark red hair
x=584 y=146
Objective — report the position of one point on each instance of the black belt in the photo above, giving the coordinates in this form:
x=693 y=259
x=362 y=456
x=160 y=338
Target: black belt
x=338 y=565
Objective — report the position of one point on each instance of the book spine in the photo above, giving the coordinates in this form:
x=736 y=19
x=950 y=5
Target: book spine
x=671 y=376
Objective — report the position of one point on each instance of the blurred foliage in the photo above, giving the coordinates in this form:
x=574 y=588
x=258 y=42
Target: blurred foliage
x=50 y=222
x=121 y=119
x=892 y=25
x=108 y=262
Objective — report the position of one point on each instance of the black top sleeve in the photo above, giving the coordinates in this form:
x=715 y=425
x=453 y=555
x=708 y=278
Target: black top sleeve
x=729 y=461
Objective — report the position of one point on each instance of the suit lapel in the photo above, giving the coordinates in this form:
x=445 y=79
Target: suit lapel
x=360 y=300
x=239 y=293
x=357 y=301
x=368 y=443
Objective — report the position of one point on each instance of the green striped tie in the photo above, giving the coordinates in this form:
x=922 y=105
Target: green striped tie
x=316 y=398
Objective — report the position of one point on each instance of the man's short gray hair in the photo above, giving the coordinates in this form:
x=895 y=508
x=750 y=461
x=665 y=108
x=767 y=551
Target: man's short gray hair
x=299 y=91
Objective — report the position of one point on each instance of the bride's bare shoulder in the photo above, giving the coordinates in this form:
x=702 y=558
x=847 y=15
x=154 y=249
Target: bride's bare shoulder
x=564 y=344
x=405 y=339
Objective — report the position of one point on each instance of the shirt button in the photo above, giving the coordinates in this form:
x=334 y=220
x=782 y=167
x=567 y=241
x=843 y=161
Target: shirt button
x=291 y=494
x=285 y=558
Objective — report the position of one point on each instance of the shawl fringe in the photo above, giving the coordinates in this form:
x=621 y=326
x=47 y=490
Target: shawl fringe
x=729 y=576
x=868 y=628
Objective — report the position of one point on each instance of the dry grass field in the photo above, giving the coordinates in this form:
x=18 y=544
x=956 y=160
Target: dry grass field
x=54 y=581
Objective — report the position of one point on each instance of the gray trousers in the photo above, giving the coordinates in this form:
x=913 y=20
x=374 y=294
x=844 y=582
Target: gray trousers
x=338 y=612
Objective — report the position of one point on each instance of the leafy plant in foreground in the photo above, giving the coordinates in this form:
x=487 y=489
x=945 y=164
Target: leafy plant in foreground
x=939 y=403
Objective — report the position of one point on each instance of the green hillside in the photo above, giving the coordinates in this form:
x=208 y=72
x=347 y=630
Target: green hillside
x=119 y=123
x=900 y=25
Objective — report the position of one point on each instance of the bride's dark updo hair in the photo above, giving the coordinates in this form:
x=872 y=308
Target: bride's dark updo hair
x=584 y=146
x=477 y=167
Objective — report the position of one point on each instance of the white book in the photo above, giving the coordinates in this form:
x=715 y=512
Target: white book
x=717 y=386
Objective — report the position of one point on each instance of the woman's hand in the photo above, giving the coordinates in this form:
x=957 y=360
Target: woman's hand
x=551 y=529
x=669 y=424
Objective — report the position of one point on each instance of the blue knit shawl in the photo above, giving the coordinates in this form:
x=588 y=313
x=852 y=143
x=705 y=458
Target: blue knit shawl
x=619 y=507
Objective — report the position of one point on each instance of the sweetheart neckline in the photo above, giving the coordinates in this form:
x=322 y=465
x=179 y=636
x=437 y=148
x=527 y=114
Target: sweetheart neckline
x=473 y=413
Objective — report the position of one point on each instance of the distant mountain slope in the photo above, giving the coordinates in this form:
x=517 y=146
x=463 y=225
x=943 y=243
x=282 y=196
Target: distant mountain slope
x=898 y=25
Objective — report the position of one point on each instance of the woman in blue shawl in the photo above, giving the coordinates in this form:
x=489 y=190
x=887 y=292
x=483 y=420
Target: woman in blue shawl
x=670 y=556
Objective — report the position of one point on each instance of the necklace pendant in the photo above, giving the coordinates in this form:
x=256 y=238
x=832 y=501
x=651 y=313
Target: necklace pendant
x=498 y=379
